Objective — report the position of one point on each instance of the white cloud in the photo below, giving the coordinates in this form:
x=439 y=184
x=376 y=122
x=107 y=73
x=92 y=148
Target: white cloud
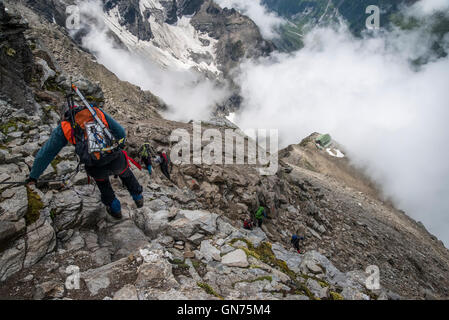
x=267 y=21
x=427 y=7
x=392 y=119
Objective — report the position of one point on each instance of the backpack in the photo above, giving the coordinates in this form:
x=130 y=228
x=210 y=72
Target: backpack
x=260 y=213
x=145 y=153
x=165 y=157
x=93 y=144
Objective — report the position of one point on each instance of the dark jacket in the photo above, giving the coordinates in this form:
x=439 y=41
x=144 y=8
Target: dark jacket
x=146 y=161
x=57 y=141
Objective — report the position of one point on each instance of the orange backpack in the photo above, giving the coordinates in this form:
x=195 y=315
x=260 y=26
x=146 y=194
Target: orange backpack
x=82 y=130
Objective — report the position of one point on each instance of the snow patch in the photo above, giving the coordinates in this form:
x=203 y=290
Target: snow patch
x=335 y=152
x=231 y=117
x=173 y=46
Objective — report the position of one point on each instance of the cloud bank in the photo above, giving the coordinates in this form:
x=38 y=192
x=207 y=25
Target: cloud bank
x=392 y=118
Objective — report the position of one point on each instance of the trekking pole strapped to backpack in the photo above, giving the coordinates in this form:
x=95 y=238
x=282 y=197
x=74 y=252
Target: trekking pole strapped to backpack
x=94 y=114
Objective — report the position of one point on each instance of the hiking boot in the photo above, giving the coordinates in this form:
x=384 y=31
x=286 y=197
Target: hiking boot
x=138 y=199
x=114 y=209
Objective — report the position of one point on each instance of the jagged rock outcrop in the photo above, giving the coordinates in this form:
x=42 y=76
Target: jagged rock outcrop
x=16 y=60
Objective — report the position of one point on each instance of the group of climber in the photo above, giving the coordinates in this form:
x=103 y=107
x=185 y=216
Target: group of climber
x=99 y=141
x=259 y=216
x=147 y=156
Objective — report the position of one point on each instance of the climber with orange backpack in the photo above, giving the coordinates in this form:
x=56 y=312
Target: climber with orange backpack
x=98 y=141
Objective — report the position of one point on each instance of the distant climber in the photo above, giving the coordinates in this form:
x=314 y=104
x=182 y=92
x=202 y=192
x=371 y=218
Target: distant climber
x=248 y=224
x=261 y=213
x=146 y=153
x=98 y=141
x=164 y=162
x=295 y=242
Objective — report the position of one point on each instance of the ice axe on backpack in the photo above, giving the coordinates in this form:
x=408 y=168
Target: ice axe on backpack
x=115 y=144
x=93 y=112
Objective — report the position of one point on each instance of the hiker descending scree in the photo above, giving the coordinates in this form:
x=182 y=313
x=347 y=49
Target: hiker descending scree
x=295 y=242
x=164 y=162
x=146 y=153
x=98 y=141
x=260 y=215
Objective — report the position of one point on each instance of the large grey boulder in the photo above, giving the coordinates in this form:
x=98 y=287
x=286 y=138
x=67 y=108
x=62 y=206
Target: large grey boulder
x=67 y=206
x=128 y=292
x=293 y=259
x=100 y=278
x=40 y=239
x=315 y=263
x=236 y=258
x=316 y=289
x=157 y=205
x=15 y=205
x=181 y=229
x=49 y=289
x=204 y=220
x=126 y=237
x=10 y=230
x=11 y=259
x=153 y=223
x=65 y=167
x=155 y=272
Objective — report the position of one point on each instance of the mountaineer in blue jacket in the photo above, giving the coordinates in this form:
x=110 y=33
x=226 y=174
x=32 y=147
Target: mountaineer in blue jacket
x=79 y=128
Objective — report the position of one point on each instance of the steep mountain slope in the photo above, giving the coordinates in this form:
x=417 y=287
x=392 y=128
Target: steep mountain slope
x=178 y=34
x=177 y=245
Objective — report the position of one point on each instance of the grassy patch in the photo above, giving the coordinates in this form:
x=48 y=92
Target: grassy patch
x=371 y=295
x=53 y=214
x=48 y=109
x=322 y=283
x=199 y=267
x=13 y=123
x=94 y=100
x=51 y=85
x=35 y=205
x=4 y=128
x=303 y=290
x=336 y=296
x=55 y=162
x=180 y=263
x=264 y=253
x=208 y=289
